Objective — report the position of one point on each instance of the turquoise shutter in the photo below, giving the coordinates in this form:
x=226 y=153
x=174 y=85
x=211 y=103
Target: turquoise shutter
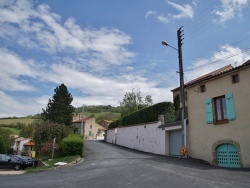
x=230 y=106
x=209 y=111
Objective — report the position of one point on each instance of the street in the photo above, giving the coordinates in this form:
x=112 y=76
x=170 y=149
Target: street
x=107 y=165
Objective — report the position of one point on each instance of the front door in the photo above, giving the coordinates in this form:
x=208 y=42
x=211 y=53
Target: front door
x=228 y=156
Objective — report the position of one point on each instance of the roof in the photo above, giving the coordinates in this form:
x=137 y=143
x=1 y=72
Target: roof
x=30 y=143
x=80 y=120
x=216 y=73
x=20 y=139
x=108 y=121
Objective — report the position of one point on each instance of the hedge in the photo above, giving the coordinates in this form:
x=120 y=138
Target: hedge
x=73 y=145
x=145 y=115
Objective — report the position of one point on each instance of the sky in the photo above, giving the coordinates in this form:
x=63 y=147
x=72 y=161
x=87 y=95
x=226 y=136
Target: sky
x=102 y=49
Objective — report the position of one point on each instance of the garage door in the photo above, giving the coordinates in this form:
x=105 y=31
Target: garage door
x=175 y=142
x=228 y=156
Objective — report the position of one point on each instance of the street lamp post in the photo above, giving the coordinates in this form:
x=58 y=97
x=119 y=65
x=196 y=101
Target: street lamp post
x=182 y=93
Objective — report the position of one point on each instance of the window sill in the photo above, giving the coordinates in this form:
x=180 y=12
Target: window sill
x=221 y=122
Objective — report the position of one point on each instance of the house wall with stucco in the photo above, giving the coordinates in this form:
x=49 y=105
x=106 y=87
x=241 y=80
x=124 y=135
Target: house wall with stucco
x=203 y=137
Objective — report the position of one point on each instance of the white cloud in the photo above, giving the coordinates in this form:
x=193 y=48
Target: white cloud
x=231 y=9
x=186 y=10
x=163 y=19
x=150 y=13
x=216 y=61
x=42 y=29
x=11 y=106
x=12 y=69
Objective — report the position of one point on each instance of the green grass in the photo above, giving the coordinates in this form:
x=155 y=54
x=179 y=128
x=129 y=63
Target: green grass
x=13 y=130
x=16 y=120
x=66 y=159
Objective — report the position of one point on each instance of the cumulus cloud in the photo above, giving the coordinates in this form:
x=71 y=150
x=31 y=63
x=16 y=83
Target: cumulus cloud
x=231 y=9
x=186 y=10
x=150 y=13
x=163 y=19
x=13 y=68
x=40 y=28
x=226 y=55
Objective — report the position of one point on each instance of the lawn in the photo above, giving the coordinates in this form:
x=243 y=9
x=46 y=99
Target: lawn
x=14 y=130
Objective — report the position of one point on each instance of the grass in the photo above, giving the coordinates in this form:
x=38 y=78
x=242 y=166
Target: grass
x=66 y=159
x=13 y=130
x=16 y=120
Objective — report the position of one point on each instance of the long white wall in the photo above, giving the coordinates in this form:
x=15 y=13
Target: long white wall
x=144 y=137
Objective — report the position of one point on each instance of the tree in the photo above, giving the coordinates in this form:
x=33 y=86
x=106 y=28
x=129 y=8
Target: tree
x=46 y=131
x=59 y=108
x=134 y=101
x=5 y=140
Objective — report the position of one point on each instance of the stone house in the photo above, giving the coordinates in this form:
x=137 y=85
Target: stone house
x=89 y=128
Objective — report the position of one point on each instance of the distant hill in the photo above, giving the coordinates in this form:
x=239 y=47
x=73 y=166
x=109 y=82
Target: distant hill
x=100 y=112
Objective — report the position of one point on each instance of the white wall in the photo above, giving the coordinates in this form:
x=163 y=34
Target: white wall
x=144 y=137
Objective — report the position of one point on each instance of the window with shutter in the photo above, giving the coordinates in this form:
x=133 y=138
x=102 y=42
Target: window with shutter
x=209 y=111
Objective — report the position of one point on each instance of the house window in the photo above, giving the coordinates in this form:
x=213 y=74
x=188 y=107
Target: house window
x=220 y=109
x=235 y=78
x=203 y=88
x=90 y=126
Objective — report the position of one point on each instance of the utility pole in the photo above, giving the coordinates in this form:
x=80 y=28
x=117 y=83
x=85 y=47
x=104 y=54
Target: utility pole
x=182 y=92
x=82 y=120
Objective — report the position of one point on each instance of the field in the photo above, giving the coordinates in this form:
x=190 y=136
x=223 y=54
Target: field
x=14 y=130
x=16 y=120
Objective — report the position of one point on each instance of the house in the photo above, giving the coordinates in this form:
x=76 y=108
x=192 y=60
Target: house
x=23 y=145
x=89 y=128
x=105 y=123
x=218 y=116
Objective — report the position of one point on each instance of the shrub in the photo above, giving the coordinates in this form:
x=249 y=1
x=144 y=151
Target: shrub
x=145 y=115
x=73 y=145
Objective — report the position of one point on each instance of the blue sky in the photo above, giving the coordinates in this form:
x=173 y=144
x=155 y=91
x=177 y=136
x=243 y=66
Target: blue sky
x=102 y=49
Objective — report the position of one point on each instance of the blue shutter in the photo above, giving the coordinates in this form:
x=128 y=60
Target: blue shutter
x=230 y=106
x=209 y=111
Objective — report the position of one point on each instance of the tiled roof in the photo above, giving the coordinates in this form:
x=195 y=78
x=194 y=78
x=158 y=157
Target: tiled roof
x=218 y=73
x=30 y=143
x=80 y=120
x=213 y=74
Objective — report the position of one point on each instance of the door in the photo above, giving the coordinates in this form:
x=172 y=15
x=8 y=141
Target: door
x=175 y=142
x=228 y=156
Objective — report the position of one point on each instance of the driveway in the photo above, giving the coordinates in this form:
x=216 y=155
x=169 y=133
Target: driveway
x=107 y=165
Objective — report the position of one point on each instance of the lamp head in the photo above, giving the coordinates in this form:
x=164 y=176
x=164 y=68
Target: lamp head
x=164 y=43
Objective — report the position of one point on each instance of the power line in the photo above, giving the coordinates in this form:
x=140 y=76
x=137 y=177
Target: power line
x=214 y=62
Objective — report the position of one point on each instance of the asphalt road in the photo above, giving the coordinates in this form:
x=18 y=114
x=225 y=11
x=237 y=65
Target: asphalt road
x=107 y=166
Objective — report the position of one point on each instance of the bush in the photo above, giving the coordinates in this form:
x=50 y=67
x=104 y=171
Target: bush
x=73 y=145
x=145 y=115
x=46 y=131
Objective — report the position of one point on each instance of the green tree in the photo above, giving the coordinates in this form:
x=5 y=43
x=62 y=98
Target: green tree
x=46 y=131
x=134 y=101
x=5 y=140
x=59 y=108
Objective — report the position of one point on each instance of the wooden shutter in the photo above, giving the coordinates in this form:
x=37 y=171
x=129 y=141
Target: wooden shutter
x=230 y=106
x=209 y=111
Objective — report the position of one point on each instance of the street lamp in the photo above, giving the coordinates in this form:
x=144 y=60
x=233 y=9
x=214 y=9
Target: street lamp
x=181 y=85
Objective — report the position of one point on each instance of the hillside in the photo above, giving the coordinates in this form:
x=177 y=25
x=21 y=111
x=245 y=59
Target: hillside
x=100 y=112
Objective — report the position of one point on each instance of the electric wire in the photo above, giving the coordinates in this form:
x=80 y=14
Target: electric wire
x=214 y=62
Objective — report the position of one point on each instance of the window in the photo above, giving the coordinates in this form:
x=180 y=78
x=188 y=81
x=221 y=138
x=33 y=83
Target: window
x=220 y=109
x=235 y=78
x=90 y=126
x=203 y=88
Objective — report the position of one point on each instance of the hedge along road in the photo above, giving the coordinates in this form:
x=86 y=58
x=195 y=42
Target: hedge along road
x=107 y=165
